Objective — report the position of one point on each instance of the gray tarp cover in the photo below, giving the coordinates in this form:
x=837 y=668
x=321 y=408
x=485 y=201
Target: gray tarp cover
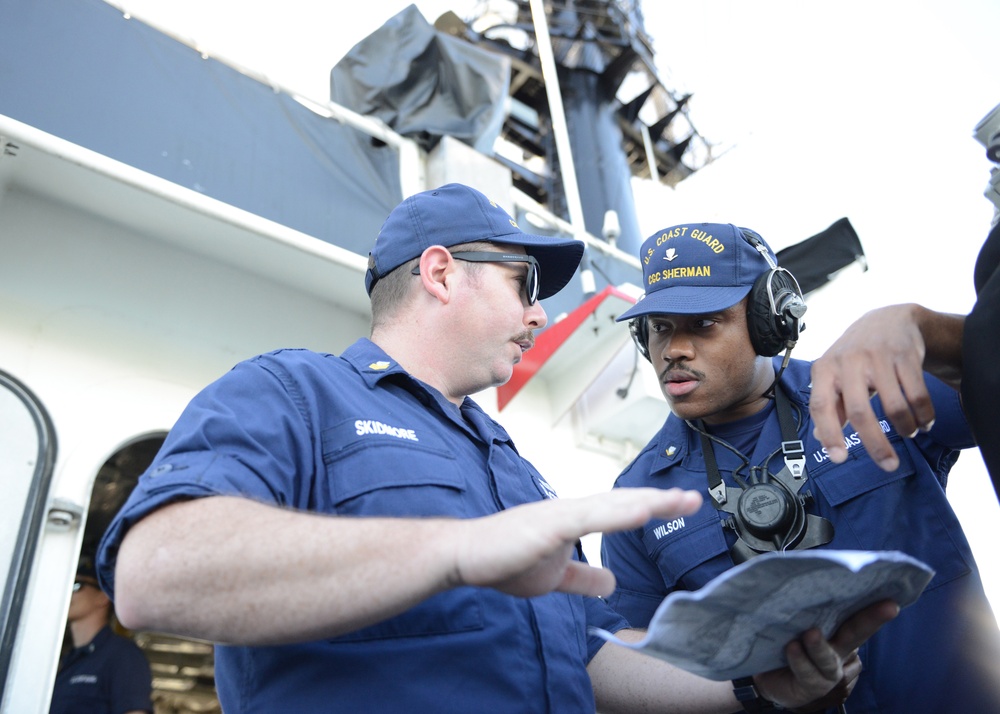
x=424 y=84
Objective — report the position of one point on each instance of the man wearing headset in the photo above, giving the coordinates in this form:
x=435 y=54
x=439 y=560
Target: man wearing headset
x=716 y=314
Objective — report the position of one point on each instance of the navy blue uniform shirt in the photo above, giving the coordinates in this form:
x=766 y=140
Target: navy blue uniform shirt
x=356 y=435
x=110 y=675
x=941 y=655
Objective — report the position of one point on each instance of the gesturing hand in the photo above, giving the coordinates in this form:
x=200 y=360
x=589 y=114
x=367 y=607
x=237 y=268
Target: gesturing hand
x=527 y=550
x=883 y=352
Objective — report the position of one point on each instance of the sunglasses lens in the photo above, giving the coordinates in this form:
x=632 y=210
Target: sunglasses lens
x=534 y=279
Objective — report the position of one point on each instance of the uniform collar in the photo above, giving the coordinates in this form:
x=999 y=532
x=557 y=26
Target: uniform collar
x=676 y=440
x=373 y=365
x=797 y=380
x=673 y=442
x=371 y=362
x=102 y=636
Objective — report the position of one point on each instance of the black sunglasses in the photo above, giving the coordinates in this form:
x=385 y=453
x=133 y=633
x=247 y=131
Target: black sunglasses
x=531 y=285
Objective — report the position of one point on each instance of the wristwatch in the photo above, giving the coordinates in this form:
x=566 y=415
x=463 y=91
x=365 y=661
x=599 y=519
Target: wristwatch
x=747 y=695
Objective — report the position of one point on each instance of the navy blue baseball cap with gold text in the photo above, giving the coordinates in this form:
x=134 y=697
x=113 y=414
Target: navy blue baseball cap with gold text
x=697 y=268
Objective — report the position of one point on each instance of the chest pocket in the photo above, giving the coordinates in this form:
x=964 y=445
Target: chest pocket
x=85 y=690
x=389 y=471
x=453 y=612
x=680 y=547
x=905 y=510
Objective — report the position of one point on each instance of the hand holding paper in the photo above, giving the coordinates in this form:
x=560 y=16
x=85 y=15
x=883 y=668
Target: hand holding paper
x=739 y=624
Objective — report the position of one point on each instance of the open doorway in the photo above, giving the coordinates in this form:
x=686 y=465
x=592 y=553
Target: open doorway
x=182 y=669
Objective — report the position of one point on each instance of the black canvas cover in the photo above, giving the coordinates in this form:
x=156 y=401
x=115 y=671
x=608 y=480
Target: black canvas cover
x=815 y=261
x=424 y=84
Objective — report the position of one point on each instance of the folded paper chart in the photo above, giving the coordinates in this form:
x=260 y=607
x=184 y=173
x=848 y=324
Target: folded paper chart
x=739 y=624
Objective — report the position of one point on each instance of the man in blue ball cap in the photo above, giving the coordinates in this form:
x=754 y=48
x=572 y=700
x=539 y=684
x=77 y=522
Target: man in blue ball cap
x=357 y=534
x=717 y=314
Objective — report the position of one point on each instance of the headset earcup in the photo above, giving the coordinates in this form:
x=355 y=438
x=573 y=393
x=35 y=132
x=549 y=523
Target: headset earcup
x=768 y=331
x=637 y=327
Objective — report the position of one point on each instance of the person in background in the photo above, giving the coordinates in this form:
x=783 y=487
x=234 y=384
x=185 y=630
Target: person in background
x=103 y=673
x=888 y=350
x=717 y=313
x=357 y=534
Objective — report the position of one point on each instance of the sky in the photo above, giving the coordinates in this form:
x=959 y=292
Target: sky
x=855 y=109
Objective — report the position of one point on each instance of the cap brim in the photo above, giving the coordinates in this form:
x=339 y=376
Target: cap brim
x=558 y=258
x=686 y=300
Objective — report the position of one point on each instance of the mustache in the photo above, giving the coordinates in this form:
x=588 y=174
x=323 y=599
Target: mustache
x=677 y=366
x=527 y=336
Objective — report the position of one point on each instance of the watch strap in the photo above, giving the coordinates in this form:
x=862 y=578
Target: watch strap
x=747 y=695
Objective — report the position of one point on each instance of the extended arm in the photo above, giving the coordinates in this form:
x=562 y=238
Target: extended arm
x=232 y=570
x=885 y=351
x=820 y=674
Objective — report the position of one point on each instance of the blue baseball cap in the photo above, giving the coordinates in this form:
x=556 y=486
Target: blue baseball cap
x=697 y=268
x=454 y=214
x=85 y=567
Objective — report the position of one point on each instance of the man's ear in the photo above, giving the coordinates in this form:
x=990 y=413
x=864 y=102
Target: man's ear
x=436 y=268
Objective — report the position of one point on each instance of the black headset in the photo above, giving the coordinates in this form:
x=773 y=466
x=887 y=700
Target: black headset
x=767 y=511
x=774 y=310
